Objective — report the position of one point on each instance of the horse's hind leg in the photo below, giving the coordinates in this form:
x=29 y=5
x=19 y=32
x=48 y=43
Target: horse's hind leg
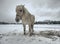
x=30 y=30
x=24 y=29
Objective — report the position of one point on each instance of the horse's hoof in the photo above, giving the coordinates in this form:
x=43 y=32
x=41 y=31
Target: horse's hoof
x=24 y=33
x=30 y=34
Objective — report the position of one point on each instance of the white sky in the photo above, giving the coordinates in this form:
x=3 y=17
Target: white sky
x=42 y=9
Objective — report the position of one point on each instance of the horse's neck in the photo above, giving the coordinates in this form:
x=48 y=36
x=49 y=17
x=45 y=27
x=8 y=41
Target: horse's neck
x=26 y=11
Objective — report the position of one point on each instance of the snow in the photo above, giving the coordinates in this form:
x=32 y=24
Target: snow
x=13 y=34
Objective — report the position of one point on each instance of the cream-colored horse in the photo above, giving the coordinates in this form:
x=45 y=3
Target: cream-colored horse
x=27 y=19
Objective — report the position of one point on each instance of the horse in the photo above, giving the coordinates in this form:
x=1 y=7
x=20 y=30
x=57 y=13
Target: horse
x=27 y=18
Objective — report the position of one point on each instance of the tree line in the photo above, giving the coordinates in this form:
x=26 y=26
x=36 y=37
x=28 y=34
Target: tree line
x=37 y=22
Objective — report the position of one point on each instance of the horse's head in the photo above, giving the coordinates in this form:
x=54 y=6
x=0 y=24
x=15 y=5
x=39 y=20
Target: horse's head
x=19 y=12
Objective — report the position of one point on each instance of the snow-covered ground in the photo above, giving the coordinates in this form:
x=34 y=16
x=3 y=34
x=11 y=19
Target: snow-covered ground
x=13 y=34
x=19 y=28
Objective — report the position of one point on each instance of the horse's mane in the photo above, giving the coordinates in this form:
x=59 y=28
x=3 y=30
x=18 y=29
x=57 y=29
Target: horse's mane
x=26 y=11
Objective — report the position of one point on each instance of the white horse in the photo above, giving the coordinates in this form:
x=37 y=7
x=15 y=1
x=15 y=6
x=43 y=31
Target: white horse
x=27 y=19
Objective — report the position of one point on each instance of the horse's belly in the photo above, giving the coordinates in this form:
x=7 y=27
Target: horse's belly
x=25 y=22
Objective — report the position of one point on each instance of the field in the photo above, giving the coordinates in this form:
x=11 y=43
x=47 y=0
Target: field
x=13 y=34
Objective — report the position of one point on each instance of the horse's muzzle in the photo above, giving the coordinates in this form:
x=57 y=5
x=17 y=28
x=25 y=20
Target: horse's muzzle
x=17 y=20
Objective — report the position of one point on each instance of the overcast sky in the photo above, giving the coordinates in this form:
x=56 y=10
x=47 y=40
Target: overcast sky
x=42 y=9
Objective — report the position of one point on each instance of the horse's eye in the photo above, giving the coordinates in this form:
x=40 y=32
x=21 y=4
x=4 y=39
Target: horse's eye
x=20 y=10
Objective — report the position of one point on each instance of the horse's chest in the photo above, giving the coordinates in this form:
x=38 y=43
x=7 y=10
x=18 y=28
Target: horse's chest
x=25 y=20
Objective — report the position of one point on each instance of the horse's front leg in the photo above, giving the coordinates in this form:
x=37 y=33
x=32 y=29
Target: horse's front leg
x=24 y=26
x=32 y=28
